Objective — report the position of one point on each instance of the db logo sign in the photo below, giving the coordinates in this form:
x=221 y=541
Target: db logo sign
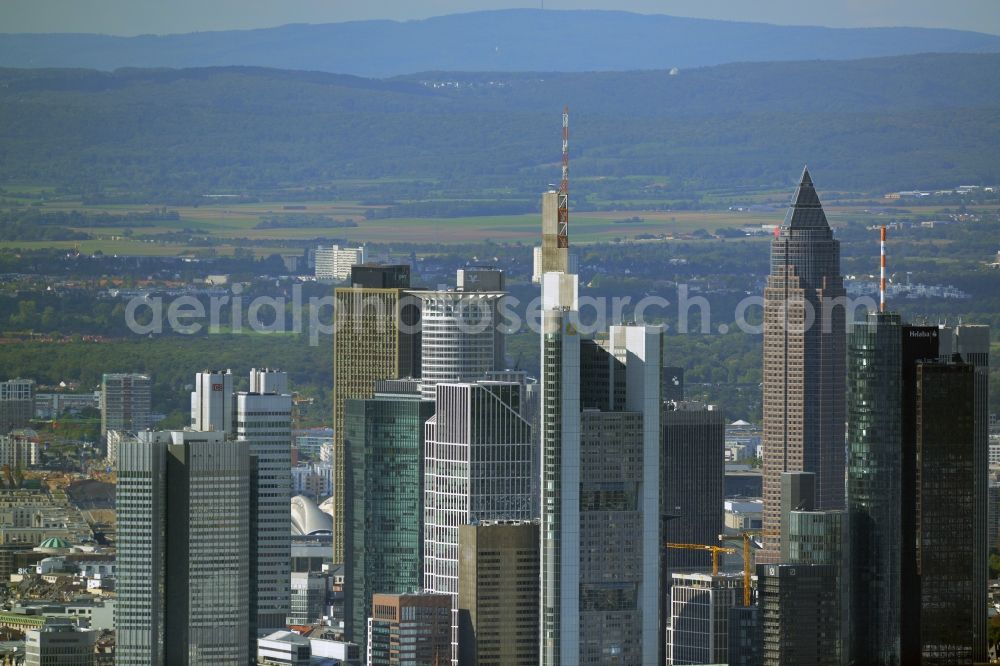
x=216 y=387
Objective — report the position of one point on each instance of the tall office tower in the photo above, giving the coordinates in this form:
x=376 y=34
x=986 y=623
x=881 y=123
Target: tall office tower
x=804 y=366
x=498 y=593
x=384 y=442
x=480 y=278
x=212 y=402
x=335 y=262
x=946 y=503
x=183 y=501
x=59 y=643
x=797 y=610
x=125 y=402
x=376 y=337
x=745 y=638
x=694 y=436
x=600 y=494
x=477 y=467
x=699 y=617
x=460 y=336
x=874 y=486
x=263 y=419
x=409 y=629
x=972 y=342
x=17 y=404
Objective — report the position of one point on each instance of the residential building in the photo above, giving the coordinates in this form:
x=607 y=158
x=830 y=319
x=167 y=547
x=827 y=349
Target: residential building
x=376 y=337
x=184 y=593
x=17 y=404
x=59 y=643
x=804 y=361
x=54 y=405
x=313 y=479
x=19 y=449
x=308 y=599
x=335 y=262
x=125 y=402
x=409 y=629
x=384 y=442
x=498 y=593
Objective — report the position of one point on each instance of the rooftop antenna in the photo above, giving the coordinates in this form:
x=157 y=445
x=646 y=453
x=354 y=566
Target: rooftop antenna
x=562 y=237
x=881 y=282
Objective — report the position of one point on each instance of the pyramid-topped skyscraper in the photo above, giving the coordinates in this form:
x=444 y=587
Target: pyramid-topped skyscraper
x=804 y=363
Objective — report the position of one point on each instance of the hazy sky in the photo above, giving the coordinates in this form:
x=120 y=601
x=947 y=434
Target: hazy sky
x=130 y=17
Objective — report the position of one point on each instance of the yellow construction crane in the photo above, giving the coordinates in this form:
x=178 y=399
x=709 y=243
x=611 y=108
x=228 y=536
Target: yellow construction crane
x=715 y=550
x=748 y=544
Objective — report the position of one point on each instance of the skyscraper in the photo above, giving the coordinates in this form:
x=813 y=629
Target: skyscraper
x=212 y=402
x=17 y=404
x=700 y=607
x=946 y=520
x=874 y=487
x=498 y=593
x=376 y=337
x=384 y=441
x=477 y=467
x=263 y=419
x=798 y=614
x=460 y=338
x=183 y=502
x=125 y=402
x=804 y=362
x=972 y=343
x=694 y=437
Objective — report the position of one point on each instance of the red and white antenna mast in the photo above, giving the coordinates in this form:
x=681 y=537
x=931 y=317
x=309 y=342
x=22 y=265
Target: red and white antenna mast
x=881 y=282
x=562 y=237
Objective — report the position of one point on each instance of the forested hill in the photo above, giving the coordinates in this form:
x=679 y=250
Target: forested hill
x=876 y=124
x=506 y=40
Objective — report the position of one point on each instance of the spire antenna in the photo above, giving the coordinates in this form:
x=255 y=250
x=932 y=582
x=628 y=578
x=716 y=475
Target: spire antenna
x=881 y=283
x=563 y=227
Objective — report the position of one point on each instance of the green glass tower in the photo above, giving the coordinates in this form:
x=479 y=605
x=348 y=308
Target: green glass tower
x=384 y=446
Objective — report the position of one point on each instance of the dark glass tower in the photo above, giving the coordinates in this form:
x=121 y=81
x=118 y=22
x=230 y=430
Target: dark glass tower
x=804 y=361
x=874 y=478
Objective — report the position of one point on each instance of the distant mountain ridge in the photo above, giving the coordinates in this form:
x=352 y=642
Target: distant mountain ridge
x=874 y=125
x=503 y=40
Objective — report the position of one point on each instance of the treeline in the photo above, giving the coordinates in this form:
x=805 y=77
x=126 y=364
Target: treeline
x=33 y=224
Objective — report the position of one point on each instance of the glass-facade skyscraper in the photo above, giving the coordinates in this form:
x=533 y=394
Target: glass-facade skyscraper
x=384 y=442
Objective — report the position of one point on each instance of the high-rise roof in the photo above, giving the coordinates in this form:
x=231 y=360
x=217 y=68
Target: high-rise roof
x=806 y=210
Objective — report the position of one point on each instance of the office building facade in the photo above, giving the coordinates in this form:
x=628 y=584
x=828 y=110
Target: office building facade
x=693 y=481
x=798 y=614
x=376 y=337
x=498 y=593
x=183 y=502
x=409 y=629
x=17 y=404
x=59 y=643
x=125 y=402
x=477 y=467
x=700 y=607
x=804 y=361
x=384 y=440
x=335 y=262
x=263 y=419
